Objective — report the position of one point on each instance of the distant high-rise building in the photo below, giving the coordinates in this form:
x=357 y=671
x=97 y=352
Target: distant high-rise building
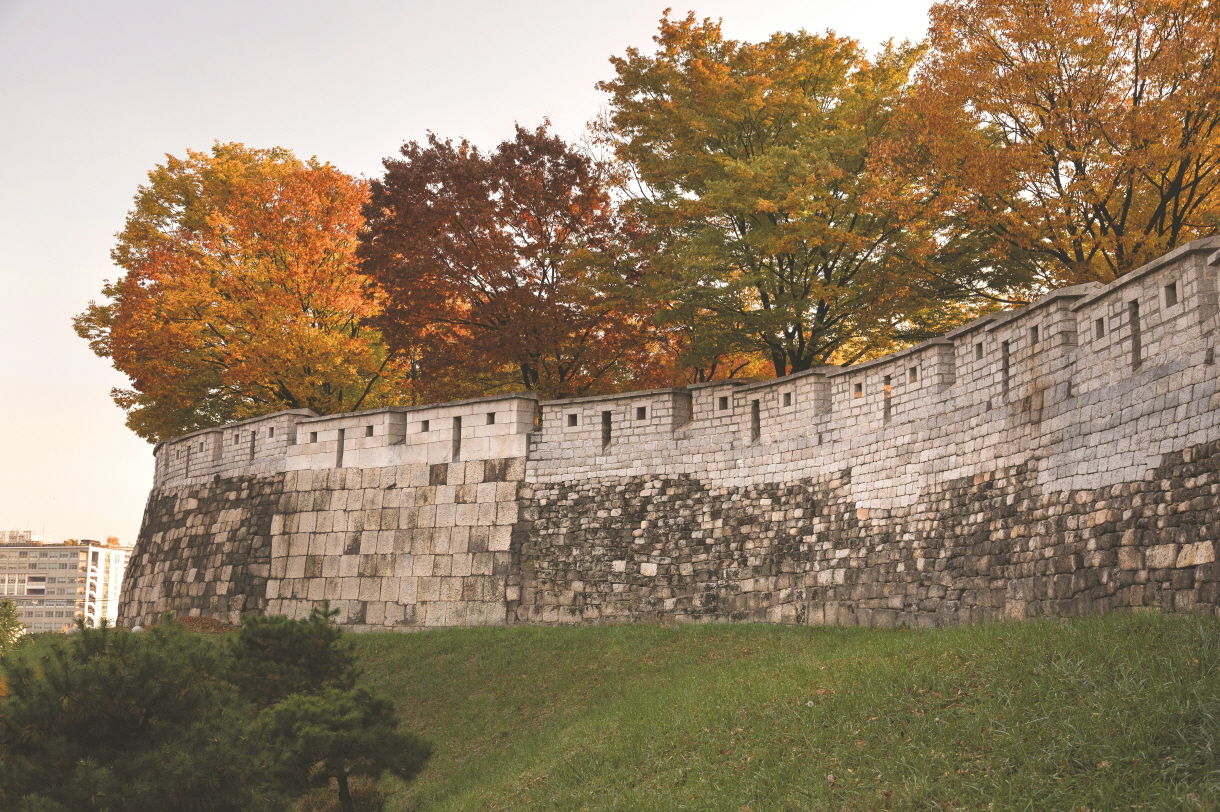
x=53 y=584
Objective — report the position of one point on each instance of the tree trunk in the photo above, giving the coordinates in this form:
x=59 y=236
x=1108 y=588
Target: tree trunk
x=345 y=796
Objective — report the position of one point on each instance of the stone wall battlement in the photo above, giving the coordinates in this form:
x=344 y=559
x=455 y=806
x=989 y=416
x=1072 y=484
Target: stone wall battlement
x=810 y=498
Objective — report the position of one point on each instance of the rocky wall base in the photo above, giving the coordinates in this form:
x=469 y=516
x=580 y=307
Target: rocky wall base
x=203 y=550
x=399 y=547
x=983 y=548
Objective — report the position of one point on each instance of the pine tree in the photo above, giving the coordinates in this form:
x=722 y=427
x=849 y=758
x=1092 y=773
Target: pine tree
x=11 y=628
x=338 y=735
x=114 y=720
x=275 y=657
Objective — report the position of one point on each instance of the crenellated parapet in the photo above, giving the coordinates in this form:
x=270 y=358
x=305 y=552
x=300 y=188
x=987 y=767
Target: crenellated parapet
x=990 y=472
x=299 y=440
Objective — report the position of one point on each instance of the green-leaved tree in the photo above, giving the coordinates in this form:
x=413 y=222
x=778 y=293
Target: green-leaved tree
x=338 y=735
x=11 y=627
x=767 y=175
x=107 y=720
x=275 y=657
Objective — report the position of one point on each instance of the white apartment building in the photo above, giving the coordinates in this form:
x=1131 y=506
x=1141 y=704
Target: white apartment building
x=53 y=584
x=19 y=537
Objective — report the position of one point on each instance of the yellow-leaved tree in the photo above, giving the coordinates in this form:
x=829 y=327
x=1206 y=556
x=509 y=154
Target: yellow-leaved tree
x=241 y=295
x=1083 y=136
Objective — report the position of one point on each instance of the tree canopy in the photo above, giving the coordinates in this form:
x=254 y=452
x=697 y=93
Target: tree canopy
x=780 y=225
x=109 y=720
x=494 y=267
x=241 y=295
x=337 y=735
x=275 y=656
x=1083 y=136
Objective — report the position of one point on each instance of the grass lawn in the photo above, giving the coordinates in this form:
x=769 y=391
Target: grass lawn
x=1104 y=713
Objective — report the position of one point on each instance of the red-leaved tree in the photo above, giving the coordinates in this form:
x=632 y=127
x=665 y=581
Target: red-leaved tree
x=497 y=268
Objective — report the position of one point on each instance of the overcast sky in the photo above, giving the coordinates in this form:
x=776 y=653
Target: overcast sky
x=94 y=93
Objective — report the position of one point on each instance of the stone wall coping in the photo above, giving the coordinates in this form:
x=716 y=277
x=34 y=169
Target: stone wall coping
x=792 y=376
x=227 y=426
x=637 y=395
x=1206 y=244
x=938 y=341
x=1072 y=292
x=425 y=407
x=722 y=382
x=969 y=327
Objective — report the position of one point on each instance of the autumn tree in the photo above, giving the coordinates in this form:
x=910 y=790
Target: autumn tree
x=240 y=294
x=494 y=266
x=781 y=225
x=1083 y=135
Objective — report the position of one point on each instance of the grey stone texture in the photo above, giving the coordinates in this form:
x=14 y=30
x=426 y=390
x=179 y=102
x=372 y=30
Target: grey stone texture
x=1057 y=459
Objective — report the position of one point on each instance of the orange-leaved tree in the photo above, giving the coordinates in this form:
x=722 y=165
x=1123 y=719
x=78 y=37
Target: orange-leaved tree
x=241 y=294
x=1082 y=135
x=497 y=265
x=784 y=228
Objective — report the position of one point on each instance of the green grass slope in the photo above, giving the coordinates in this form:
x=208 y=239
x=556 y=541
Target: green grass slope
x=1117 y=712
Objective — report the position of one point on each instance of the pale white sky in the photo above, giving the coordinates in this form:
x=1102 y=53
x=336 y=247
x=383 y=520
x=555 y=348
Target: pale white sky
x=93 y=94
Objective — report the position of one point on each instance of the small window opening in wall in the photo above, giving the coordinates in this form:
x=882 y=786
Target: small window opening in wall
x=885 y=408
x=457 y=439
x=858 y=391
x=819 y=438
x=1069 y=389
x=723 y=404
x=271 y=431
x=426 y=425
x=1099 y=328
x=978 y=351
x=641 y=412
x=339 y=448
x=253 y=434
x=1171 y=294
x=313 y=436
x=755 y=420
x=571 y=420
x=1137 y=349
x=491 y=418
x=912 y=374
x=1033 y=335
x=787 y=399
x=1005 y=365
x=607 y=431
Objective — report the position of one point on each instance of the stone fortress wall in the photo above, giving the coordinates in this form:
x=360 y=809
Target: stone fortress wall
x=1057 y=459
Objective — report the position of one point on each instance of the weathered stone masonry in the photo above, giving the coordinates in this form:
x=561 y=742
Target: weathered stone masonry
x=1059 y=459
